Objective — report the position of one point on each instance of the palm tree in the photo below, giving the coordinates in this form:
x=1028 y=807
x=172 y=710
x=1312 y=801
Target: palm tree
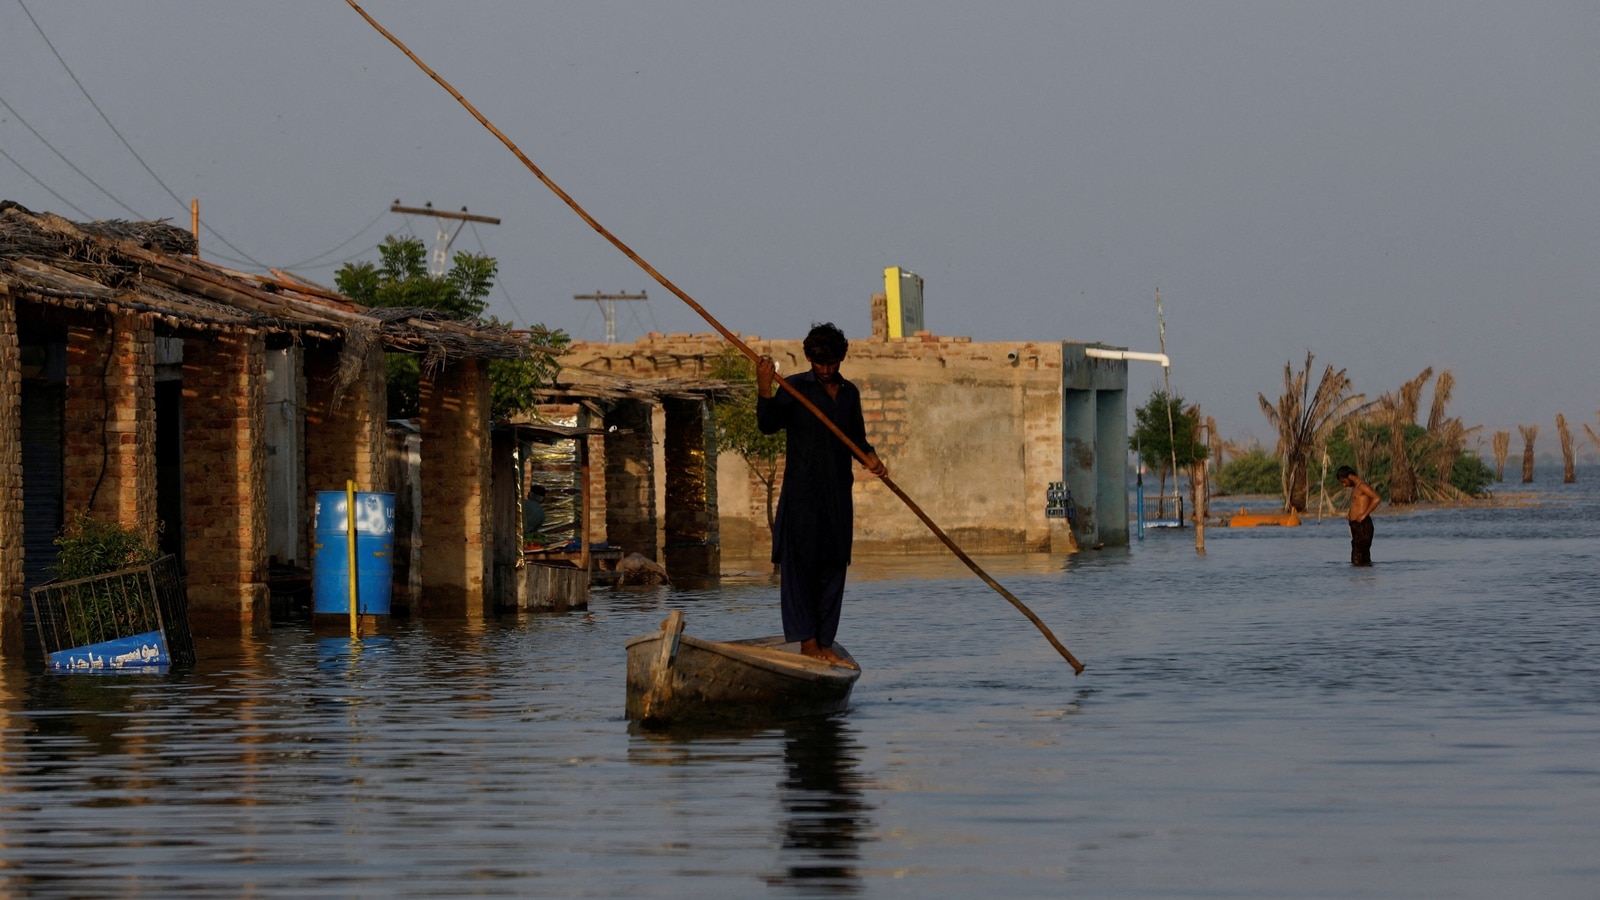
x=1502 y=449
x=1594 y=439
x=1529 y=434
x=1565 y=433
x=1304 y=419
x=1398 y=410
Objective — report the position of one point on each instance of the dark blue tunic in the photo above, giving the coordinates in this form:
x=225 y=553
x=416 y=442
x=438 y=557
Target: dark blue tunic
x=812 y=532
x=815 y=516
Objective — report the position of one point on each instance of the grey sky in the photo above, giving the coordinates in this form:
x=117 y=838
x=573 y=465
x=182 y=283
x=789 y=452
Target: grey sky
x=1389 y=185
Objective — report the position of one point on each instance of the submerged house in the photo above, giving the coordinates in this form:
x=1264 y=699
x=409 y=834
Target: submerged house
x=207 y=407
x=1015 y=446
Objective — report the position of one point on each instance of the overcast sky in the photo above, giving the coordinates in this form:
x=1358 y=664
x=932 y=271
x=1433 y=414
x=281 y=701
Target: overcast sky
x=1387 y=185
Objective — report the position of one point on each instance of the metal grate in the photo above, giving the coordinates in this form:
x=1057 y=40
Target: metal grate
x=128 y=602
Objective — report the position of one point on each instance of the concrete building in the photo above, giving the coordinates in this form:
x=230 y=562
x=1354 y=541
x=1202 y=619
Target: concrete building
x=995 y=441
x=206 y=408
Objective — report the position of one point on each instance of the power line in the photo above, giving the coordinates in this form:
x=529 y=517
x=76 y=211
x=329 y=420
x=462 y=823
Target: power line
x=500 y=282
x=74 y=166
x=47 y=187
x=103 y=117
x=340 y=246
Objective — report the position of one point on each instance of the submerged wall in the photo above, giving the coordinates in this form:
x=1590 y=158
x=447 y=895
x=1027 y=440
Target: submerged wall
x=976 y=434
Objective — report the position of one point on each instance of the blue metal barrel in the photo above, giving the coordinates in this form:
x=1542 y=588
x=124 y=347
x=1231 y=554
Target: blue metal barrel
x=330 y=564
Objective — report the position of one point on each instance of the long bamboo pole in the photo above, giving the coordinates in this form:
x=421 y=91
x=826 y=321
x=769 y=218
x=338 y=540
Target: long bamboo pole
x=1077 y=667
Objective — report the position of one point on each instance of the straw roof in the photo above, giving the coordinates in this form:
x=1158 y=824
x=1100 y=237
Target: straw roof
x=148 y=267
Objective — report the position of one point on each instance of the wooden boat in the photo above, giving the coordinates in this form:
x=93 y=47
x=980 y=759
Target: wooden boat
x=675 y=678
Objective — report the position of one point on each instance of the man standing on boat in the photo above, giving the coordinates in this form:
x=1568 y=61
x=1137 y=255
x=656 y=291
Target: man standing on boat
x=814 y=527
x=1363 y=500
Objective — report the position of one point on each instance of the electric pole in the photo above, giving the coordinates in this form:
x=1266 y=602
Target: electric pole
x=439 y=263
x=608 y=307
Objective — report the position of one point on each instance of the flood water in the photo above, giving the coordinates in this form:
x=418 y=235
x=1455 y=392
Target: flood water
x=1265 y=721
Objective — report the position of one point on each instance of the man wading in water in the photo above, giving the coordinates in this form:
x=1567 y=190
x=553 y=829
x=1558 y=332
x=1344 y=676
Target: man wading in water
x=1363 y=500
x=813 y=530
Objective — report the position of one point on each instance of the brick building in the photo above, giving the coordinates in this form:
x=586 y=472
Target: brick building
x=988 y=438
x=206 y=407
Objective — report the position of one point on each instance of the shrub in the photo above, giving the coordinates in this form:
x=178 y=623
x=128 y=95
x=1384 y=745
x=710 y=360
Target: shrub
x=90 y=548
x=1254 y=472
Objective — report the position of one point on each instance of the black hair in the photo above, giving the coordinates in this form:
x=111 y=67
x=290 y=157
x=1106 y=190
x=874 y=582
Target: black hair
x=826 y=343
x=1343 y=471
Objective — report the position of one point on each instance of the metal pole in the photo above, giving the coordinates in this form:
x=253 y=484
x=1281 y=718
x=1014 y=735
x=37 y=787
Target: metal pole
x=350 y=552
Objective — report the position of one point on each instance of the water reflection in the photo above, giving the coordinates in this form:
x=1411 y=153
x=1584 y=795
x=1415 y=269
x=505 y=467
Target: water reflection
x=821 y=790
x=826 y=812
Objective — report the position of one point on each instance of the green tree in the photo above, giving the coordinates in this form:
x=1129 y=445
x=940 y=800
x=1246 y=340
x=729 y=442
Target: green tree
x=1162 y=442
x=735 y=420
x=1254 y=471
x=401 y=279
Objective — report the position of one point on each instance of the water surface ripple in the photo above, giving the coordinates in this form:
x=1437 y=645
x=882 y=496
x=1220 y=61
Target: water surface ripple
x=1263 y=721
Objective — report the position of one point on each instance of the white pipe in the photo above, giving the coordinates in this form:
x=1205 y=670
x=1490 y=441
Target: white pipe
x=1102 y=353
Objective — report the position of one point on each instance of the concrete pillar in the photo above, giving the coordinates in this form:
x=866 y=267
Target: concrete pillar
x=11 y=521
x=692 y=547
x=225 y=485
x=109 y=426
x=456 y=529
x=1094 y=444
x=630 y=479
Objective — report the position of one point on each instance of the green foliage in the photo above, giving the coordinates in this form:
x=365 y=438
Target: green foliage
x=1254 y=472
x=1471 y=475
x=1468 y=474
x=401 y=279
x=1153 y=436
x=89 y=548
x=735 y=420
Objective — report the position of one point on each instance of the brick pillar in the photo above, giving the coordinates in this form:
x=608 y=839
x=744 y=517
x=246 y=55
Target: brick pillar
x=225 y=485
x=11 y=530
x=630 y=488
x=456 y=529
x=880 y=317
x=692 y=546
x=110 y=423
x=345 y=432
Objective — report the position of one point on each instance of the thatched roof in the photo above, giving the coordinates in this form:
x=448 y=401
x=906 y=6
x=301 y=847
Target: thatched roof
x=589 y=384
x=148 y=267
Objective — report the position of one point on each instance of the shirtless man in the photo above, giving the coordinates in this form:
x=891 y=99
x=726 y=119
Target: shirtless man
x=1363 y=500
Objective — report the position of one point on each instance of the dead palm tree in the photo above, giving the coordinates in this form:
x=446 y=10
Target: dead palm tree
x=1529 y=433
x=1594 y=439
x=1441 y=444
x=1502 y=449
x=1398 y=411
x=1304 y=419
x=1565 y=433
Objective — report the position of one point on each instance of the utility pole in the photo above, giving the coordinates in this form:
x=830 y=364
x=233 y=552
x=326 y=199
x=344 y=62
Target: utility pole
x=608 y=306
x=439 y=263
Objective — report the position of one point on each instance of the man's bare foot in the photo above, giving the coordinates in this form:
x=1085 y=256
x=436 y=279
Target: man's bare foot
x=812 y=649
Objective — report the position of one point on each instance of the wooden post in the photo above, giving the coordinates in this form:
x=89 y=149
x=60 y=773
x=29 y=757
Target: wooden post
x=1197 y=482
x=194 y=224
x=583 y=504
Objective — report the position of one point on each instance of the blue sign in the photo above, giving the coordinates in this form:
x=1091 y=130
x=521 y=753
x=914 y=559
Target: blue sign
x=138 y=653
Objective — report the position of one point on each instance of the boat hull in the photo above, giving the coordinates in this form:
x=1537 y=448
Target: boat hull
x=730 y=681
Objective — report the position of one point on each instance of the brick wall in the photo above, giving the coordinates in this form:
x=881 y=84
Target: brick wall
x=109 y=427
x=11 y=580
x=630 y=493
x=972 y=431
x=224 y=473
x=457 y=532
